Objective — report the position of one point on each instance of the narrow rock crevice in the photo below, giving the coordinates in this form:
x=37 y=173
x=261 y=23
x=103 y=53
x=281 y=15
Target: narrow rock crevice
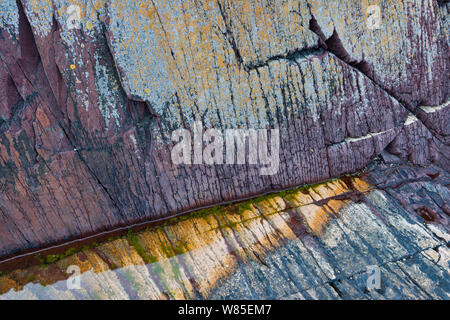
x=335 y=46
x=119 y=75
x=290 y=56
x=31 y=48
x=229 y=35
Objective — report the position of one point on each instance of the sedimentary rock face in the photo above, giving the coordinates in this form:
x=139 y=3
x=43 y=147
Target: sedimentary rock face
x=314 y=242
x=92 y=91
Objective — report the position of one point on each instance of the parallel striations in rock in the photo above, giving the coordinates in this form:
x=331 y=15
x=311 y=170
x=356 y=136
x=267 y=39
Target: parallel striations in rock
x=87 y=106
x=309 y=243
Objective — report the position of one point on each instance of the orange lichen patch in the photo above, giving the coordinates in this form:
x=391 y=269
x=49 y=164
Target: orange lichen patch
x=323 y=191
x=317 y=193
x=153 y=244
x=7 y=284
x=17 y=279
x=264 y=233
x=337 y=187
x=272 y=205
x=255 y=24
x=316 y=218
x=228 y=221
x=185 y=258
x=209 y=256
x=252 y=211
x=361 y=185
x=283 y=224
x=120 y=253
x=299 y=198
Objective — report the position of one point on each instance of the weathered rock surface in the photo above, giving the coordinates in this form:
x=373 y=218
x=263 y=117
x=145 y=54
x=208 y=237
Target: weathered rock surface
x=86 y=113
x=309 y=243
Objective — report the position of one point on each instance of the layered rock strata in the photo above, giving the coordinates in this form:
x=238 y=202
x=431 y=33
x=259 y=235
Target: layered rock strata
x=310 y=243
x=90 y=92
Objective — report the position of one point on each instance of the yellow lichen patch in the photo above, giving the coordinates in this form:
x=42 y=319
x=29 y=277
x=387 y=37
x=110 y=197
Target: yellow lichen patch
x=336 y=205
x=272 y=205
x=316 y=193
x=120 y=253
x=85 y=260
x=299 y=198
x=316 y=217
x=7 y=284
